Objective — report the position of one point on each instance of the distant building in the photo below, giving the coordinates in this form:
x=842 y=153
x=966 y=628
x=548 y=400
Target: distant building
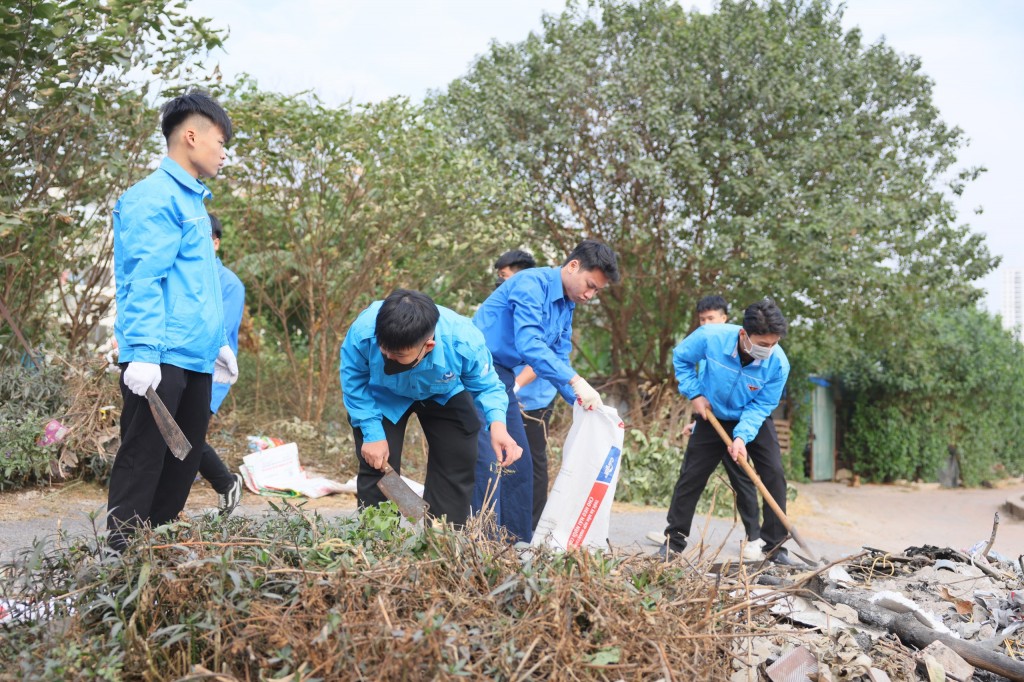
x=1013 y=300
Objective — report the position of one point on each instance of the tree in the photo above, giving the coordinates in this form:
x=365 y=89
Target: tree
x=330 y=208
x=956 y=383
x=78 y=129
x=756 y=150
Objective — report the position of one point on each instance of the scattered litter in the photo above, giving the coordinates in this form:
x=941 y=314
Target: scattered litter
x=796 y=665
x=1004 y=611
x=952 y=664
x=898 y=603
x=12 y=611
x=53 y=433
x=257 y=443
x=838 y=575
x=276 y=471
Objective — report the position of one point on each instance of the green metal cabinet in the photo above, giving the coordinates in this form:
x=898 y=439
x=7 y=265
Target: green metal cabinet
x=823 y=431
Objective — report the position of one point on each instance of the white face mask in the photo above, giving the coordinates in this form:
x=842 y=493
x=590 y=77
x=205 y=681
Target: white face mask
x=759 y=352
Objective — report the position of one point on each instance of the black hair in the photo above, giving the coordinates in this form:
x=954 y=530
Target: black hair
x=594 y=255
x=175 y=111
x=709 y=303
x=218 y=229
x=764 y=317
x=405 y=320
x=516 y=259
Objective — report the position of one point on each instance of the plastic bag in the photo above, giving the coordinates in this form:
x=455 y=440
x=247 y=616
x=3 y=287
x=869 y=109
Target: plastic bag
x=579 y=506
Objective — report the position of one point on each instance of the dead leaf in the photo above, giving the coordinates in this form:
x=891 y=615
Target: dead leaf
x=962 y=606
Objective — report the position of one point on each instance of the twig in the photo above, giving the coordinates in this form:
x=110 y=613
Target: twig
x=384 y=611
x=665 y=669
x=992 y=538
x=62 y=489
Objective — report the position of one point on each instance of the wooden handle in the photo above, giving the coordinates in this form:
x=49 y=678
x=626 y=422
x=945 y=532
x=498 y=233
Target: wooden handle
x=745 y=465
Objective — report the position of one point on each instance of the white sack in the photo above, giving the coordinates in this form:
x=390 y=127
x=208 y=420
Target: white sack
x=579 y=506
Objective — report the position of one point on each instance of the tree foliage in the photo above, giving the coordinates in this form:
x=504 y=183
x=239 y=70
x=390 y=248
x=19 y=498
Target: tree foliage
x=756 y=150
x=329 y=208
x=75 y=87
x=956 y=382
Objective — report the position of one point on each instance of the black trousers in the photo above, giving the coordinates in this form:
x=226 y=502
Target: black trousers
x=451 y=431
x=213 y=469
x=147 y=483
x=536 y=423
x=703 y=453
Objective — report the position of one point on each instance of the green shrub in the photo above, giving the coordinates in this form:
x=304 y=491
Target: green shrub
x=29 y=397
x=650 y=469
x=959 y=386
x=21 y=459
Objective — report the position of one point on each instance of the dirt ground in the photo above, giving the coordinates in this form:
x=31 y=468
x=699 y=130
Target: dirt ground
x=888 y=517
x=894 y=517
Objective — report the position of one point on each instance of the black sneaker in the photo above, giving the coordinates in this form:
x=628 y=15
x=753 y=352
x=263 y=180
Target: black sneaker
x=666 y=553
x=229 y=500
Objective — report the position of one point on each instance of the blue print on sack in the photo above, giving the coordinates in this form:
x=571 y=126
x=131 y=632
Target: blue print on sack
x=611 y=463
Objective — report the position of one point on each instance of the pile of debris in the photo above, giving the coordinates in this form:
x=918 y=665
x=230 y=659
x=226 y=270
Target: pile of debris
x=857 y=619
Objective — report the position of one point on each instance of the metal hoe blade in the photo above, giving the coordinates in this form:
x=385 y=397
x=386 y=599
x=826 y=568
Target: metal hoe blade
x=169 y=429
x=398 y=491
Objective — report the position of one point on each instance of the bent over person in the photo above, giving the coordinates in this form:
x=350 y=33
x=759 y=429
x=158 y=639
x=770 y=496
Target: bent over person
x=406 y=355
x=742 y=376
x=170 y=317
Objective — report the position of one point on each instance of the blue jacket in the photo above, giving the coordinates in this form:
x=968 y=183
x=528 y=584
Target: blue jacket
x=459 y=361
x=746 y=394
x=528 y=321
x=169 y=307
x=233 y=291
x=537 y=394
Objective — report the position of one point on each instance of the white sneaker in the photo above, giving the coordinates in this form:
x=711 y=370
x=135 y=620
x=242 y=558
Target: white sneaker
x=753 y=550
x=229 y=500
x=656 y=536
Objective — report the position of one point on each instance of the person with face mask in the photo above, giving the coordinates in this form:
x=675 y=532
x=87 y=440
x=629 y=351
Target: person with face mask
x=406 y=355
x=715 y=310
x=743 y=374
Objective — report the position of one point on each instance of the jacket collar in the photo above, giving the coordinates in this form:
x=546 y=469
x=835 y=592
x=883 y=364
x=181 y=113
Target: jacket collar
x=556 y=292
x=174 y=169
x=436 y=356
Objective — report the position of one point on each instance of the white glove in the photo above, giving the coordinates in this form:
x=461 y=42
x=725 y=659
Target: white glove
x=139 y=376
x=225 y=369
x=586 y=394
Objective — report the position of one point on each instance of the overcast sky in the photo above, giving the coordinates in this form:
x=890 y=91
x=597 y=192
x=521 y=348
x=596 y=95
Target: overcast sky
x=367 y=50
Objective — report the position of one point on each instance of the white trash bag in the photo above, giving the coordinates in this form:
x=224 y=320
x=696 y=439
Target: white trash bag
x=579 y=506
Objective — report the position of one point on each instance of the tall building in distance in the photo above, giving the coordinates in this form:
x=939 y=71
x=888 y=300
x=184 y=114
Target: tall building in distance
x=1013 y=300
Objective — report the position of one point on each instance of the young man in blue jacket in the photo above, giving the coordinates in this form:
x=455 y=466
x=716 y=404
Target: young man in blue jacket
x=528 y=321
x=170 y=317
x=743 y=372
x=715 y=310
x=406 y=355
x=211 y=467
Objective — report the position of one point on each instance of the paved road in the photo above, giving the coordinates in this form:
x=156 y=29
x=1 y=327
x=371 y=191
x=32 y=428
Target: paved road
x=628 y=528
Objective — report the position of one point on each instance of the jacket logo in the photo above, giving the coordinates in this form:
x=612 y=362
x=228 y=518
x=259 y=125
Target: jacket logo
x=752 y=387
x=447 y=376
